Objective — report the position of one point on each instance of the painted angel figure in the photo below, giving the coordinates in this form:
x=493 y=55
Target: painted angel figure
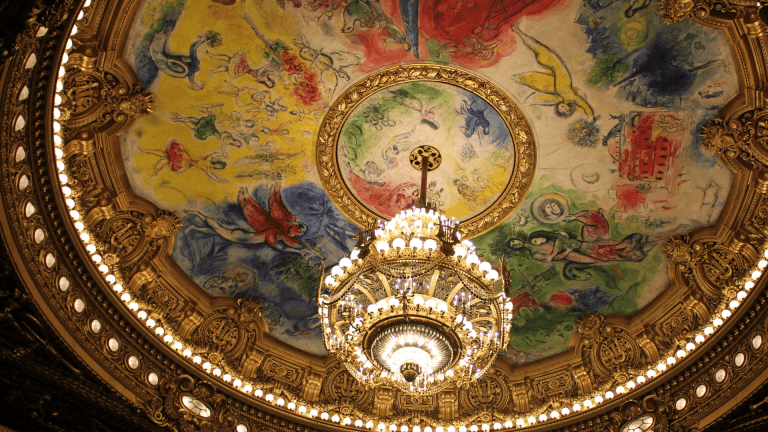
x=555 y=86
x=279 y=224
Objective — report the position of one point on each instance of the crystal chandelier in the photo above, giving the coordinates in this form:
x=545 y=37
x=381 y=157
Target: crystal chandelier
x=413 y=307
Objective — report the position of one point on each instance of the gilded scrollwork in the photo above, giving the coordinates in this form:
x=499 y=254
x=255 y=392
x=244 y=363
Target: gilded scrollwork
x=327 y=142
x=710 y=266
x=610 y=351
x=743 y=137
x=187 y=405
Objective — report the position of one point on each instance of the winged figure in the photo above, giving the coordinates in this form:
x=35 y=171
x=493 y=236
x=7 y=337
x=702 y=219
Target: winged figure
x=555 y=86
x=277 y=224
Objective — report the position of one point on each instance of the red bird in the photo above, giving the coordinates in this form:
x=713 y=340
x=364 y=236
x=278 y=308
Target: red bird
x=278 y=224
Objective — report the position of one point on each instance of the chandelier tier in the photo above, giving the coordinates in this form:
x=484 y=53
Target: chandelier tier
x=413 y=306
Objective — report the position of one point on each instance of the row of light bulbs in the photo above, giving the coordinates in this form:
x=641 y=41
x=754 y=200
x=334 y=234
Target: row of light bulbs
x=111 y=277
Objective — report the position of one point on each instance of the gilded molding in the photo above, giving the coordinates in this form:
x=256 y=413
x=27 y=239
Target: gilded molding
x=327 y=141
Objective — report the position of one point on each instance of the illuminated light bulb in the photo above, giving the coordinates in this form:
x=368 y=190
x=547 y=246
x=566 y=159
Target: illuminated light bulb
x=110 y=278
x=382 y=246
x=717 y=322
x=554 y=415
x=640 y=379
x=217 y=372
x=531 y=420
x=345 y=263
x=337 y=271
x=708 y=331
x=543 y=417
x=104 y=269
x=187 y=353
x=206 y=365
x=661 y=367
x=96 y=258
x=372 y=308
x=690 y=346
x=291 y=405
x=74 y=31
x=324 y=416
x=142 y=315
x=330 y=281
x=248 y=388
x=588 y=403
x=354 y=254
x=358 y=423
x=765 y=254
x=621 y=390
x=125 y=297
x=403 y=428
x=430 y=245
x=451 y=429
x=631 y=384
x=258 y=393
x=160 y=331
x=150 y=323
x=398 y=243
x=74 y=214
x=70 y=202
x=733 y=304
x=393 y=428
x=741 y=295
x=473 y=259
x=393 y=302
x=756 y=274
x=302 y=409
x=672 y=360
x=492 y=275
x=749 y=285
x=651 y=373
x=416 y=243
x=381 y=426
x=484 y=267
x=609 y=395
x=133 y=306
x=280 y=402
x=577 y=407
x=418 y=300
x=762 y=264
x=598 y=399
x=431 y=303
x=520 y=422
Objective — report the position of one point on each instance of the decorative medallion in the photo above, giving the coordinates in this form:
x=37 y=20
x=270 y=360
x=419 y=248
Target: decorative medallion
x=366 y=140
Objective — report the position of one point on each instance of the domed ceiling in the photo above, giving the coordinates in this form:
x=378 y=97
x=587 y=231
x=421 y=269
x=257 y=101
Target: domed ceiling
x=613 y=99
x=214 y=156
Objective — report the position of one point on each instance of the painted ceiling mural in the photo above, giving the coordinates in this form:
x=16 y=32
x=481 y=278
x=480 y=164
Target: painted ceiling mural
x=612 y=95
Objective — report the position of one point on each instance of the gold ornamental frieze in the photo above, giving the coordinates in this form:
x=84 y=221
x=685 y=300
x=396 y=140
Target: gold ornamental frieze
x=351 y=137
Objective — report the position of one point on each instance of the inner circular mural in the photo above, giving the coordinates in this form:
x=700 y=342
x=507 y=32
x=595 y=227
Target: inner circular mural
x=473 y=139
x=615 y=98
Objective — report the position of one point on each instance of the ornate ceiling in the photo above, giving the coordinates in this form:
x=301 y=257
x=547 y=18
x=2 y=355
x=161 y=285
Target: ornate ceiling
x=176 y=173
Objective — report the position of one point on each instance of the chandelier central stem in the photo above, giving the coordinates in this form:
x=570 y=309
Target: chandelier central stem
x=424 y=171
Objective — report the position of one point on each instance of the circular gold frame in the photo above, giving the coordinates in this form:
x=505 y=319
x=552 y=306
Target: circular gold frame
x=519 y=128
